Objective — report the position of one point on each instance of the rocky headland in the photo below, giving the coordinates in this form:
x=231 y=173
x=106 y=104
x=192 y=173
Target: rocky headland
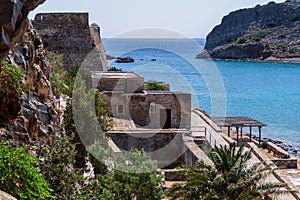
x=270 y=33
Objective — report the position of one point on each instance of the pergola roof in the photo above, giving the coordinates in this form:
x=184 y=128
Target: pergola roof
x=242 y=121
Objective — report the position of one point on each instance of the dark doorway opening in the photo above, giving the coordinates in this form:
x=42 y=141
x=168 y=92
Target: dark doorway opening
x=165 y=118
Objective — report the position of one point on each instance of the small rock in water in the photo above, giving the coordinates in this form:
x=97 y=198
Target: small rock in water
x=278 y=142
x=124 y=60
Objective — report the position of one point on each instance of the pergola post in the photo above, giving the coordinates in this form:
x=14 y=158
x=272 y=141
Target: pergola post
x=250 y=133
x=259 y=130
x=237 y=134
x=241 y=132
x=228 y=131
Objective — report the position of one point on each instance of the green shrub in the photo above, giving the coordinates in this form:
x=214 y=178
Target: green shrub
x=154 y=86
x=260 y=35
x=242 y=40
x=293 y=50
x=133 y=174
x=231 y=40
x=264 y=145
x=281 y=47
x=19 y=177
x=12 y=77
x=57 y=161
x=114 y=69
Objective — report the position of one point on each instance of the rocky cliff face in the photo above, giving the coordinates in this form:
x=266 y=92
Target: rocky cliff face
x=14 y=21
x=267 y=32
x=28 y=116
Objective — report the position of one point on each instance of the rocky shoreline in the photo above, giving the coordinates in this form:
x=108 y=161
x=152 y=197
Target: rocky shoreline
x=269 y=60
x=286 y=147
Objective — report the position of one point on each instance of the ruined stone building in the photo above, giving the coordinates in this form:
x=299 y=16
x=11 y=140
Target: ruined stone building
x=161 y=119
x=124 y=94
x=69 y=34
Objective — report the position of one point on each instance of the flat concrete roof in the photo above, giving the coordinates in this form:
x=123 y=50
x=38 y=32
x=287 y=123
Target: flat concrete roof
x=115 y=75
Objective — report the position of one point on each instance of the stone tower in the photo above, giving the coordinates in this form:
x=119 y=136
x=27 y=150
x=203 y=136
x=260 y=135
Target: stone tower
x=69 y=34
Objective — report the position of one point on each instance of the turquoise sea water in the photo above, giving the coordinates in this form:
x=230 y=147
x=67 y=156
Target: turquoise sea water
x=268 y=92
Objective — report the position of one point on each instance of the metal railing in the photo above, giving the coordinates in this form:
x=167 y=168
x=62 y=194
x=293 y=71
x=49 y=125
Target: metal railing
x=211 y=140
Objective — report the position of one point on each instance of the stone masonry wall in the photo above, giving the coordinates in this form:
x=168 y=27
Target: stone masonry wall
x=69 y=34
x=132 y=85
x=167 y=148
x=145 y=109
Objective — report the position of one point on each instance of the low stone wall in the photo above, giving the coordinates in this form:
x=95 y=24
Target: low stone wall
x=285 y=163
x=274 y=163
x=165 y=146
x=228 y=139
x=261 y=156
x=194 y=154
x=278 y=152
x=172 y=175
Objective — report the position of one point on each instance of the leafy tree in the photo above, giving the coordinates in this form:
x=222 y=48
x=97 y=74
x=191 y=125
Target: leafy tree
x=135 y=177
x=131 y=175
x=93 y=117
x=230 y=178
x=18 y=175
x=57 y=164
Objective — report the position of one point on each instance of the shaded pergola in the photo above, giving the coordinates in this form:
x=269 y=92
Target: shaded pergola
x=239 y=123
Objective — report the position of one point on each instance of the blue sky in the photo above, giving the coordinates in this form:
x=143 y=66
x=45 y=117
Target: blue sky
x=192 y=18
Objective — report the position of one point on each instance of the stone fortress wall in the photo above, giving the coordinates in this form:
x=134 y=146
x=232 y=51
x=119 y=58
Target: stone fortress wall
x=70 y=34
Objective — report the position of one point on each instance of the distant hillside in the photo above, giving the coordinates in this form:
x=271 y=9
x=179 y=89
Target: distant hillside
x=269 y=32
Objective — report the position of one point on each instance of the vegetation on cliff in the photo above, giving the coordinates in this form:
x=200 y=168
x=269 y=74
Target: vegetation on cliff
x=12 y=86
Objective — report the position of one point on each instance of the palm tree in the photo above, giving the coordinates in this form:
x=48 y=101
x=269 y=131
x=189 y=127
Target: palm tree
x=231 y=177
